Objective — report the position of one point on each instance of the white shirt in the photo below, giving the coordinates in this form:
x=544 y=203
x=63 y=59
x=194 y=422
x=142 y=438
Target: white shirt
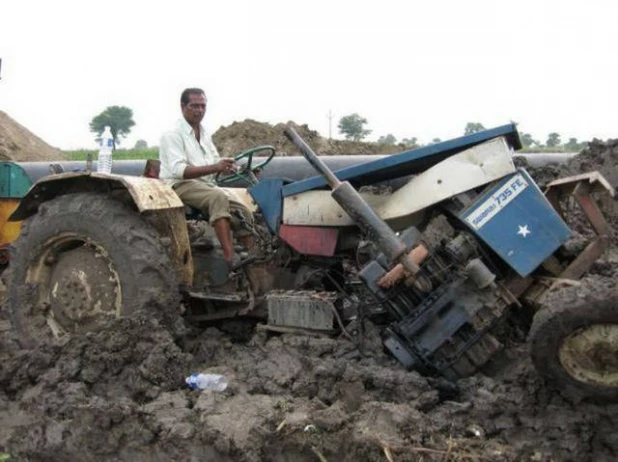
x=180 y=149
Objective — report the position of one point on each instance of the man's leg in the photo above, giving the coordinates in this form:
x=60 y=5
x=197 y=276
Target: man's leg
x=244 y=235
x=213 y=202
x=223 y=231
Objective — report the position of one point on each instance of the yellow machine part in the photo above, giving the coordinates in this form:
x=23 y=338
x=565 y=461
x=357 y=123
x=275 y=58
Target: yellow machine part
x=9 y=230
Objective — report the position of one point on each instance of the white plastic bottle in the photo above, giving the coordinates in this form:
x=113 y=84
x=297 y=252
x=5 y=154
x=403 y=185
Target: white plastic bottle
x=199 y=381
x=104 y=162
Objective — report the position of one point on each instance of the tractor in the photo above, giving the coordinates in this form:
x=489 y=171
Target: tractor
x=442 y=246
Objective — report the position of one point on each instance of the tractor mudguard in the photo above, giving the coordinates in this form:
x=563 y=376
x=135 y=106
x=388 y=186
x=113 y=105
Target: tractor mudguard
x=147 y=194
x=154 y=199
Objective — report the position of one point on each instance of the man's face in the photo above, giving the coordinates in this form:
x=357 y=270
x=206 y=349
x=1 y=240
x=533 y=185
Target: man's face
x=195 y=109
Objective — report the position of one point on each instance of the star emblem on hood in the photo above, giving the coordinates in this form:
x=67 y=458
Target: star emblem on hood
x=523 y=230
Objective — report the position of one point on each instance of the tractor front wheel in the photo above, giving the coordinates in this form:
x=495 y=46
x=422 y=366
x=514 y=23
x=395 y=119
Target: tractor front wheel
x=576 y=348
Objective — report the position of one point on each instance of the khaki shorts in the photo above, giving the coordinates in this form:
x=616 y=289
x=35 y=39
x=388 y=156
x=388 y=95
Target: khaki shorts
x=214 y=203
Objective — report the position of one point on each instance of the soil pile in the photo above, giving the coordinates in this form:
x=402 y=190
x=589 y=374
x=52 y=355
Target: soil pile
x=240 y=136
x=601 y=156
x=119 y=394
x=17 y=143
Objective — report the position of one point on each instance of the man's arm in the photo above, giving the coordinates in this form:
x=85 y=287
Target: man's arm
x=174 y=160
x=225 y=165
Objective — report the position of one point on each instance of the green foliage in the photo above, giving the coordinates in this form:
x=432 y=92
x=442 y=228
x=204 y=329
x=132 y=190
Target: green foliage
x=411 y=143
x=574 y=146
x=436 y=140
x=353 y=127
x=553 y=140
x=120 y=154
x=140 y=144
x=473 y=127
x=389 y=140
x=527 y=141
x=119 y=119
x=4 y=457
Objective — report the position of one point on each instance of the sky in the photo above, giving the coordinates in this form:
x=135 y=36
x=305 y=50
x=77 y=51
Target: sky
x=412 y=68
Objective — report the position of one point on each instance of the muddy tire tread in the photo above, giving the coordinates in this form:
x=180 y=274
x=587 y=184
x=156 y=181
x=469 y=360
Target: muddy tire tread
x=551 y=325
x=147 y=280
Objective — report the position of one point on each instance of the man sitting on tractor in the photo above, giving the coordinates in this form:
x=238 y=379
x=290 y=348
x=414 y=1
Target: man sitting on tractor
x=189 y=162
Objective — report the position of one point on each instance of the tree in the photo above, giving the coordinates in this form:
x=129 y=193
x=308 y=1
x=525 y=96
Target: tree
x=352 y=126
x=436 y=141
x=119 y=119
x=141 y=144
x=574 y=146
x=410 y=142
x=388 y=140
x=473 y=127
x=527 y=141
x=553 y=140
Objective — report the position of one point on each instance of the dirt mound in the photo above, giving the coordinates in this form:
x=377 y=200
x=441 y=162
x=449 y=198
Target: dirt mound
x=240 y=136
x=601 y=156
x=19 y=144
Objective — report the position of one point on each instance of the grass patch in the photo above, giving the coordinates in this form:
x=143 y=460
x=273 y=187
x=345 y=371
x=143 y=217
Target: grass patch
x=119 y=154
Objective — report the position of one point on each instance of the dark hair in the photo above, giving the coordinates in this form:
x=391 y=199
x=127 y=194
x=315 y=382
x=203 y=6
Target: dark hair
x=184 y=98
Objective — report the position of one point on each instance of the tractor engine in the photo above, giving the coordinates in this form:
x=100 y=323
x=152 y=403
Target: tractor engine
x=443 y=316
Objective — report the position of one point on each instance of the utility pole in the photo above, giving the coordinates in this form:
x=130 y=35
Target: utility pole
x=330 y=124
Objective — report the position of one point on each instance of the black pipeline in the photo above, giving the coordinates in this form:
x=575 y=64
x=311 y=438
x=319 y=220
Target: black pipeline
x=354 y=205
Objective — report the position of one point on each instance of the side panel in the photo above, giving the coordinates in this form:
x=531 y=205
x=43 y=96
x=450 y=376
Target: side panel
x=14 y=184
x=14 y=181
x=407 y=162
x=516 y=220
x=9 y=230
x=474 y=167
x=310 y=240
x=267 y=194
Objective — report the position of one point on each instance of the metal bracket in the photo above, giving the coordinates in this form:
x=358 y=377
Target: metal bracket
x=584 y=189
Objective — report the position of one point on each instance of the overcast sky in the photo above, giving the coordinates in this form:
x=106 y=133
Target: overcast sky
x=411 y=68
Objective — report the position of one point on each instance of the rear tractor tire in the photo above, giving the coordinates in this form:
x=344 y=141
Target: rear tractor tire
x=81 y=261
x=575 y=347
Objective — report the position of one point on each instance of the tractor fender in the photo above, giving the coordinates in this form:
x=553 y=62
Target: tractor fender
x=147 y=194
x=154 y=199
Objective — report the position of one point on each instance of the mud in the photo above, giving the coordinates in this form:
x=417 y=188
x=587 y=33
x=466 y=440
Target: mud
x=119 y=395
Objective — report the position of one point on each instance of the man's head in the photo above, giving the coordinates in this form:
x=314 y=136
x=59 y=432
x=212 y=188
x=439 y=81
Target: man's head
x=193 y=105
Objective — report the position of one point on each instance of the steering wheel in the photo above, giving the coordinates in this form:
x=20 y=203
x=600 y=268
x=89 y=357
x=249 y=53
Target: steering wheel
x=247 y=171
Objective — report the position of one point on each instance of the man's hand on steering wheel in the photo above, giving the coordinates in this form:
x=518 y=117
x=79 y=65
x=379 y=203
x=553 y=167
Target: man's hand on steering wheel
x=247 y=171
x=226 y=166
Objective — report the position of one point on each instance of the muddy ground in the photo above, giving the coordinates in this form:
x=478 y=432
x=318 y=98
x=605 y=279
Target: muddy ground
x=119 y=395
